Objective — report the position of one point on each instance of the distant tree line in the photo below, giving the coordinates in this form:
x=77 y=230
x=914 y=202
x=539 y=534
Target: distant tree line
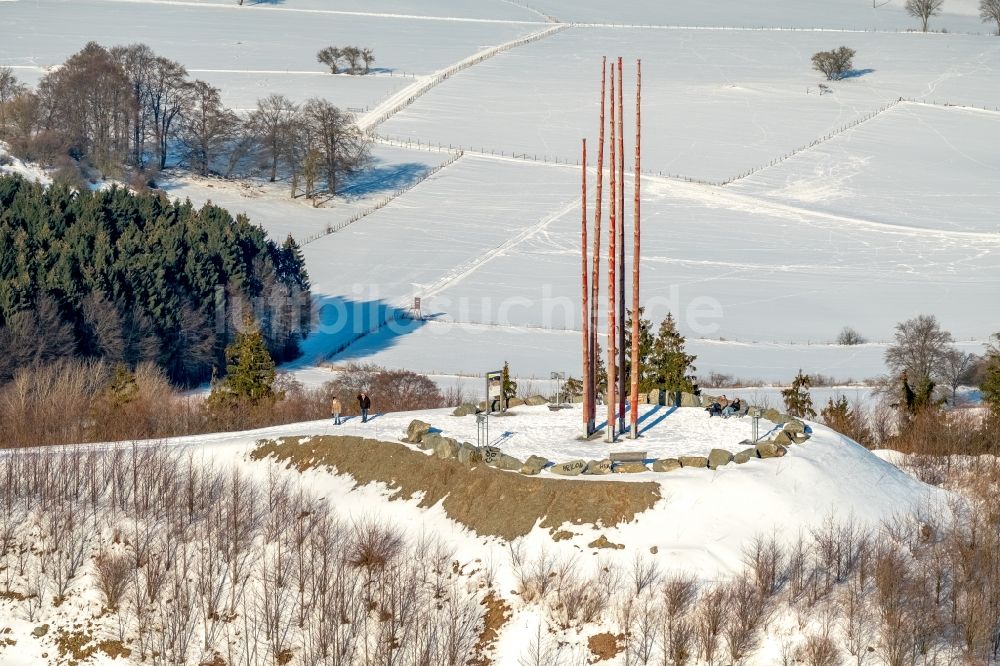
x=134 y=278
x=126 y=112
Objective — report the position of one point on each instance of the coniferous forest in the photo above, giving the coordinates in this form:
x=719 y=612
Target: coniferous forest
x=132 y=278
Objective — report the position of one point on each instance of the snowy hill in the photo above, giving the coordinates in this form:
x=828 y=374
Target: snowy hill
x=687 y=522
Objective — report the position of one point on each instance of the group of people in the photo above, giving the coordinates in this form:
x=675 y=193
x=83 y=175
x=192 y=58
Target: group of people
x=364 y=404
x=722 y=407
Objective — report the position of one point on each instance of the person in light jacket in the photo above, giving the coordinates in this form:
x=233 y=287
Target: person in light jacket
x=335 y=410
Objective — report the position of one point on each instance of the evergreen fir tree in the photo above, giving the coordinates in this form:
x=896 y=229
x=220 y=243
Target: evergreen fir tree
x=914 y=399
x=671 y=366
x=839 y=416
x=509 y=386
x=990 y=386
x=123 y=388
x=601 y=375
x=836 y=413
x=250 y=370
x=798 y=402
x=647 y=373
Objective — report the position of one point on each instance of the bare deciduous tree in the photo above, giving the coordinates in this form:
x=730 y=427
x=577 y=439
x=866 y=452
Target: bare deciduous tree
x=957 y=368
x=989 y=10
x=919 y=348
x=924 y=10
x=342 y=147
x=274 y=122
x=207 y=127
x=89 y=101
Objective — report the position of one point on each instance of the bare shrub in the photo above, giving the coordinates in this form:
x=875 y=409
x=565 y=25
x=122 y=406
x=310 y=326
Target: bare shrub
x=766 y=559
x=710 y=614
x=834 y=65
x=113 y=571
x=678 y=594
x=748 y=608
x=849 y=337
x=374 y=545
x=390 y=390
x=819 y=650
x=645 y=572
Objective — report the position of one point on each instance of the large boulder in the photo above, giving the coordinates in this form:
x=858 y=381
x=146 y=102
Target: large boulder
x=430 y=440
x=515 y=402
x=744 y=456
x=656 y=397
x=465 y=409
x=508 y=463
x=690 y=400
x=782 y=437
x=536 y=401
x=666 y=465
x=571 y=468
x=534 y=465
x=598 y=467
x=446 y=448
x=469 y=454
x=719 y=458
x=693 y=461
x=772 y=415
x=630 y=468
x=416 y=430
x=794 y=426
x=770 y=450
x=800 y=437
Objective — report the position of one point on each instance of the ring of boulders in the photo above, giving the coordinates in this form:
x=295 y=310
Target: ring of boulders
x=792 y=431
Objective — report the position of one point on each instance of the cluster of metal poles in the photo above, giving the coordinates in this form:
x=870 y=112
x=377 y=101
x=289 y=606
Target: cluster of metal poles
x=616 y=379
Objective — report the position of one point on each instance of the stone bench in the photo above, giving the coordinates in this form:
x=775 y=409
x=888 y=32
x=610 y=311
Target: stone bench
x=628 y=456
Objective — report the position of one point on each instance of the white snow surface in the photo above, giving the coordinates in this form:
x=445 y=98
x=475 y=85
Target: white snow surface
x=216 y=36
x=716 y=103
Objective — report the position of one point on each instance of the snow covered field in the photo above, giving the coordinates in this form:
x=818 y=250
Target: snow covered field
x=959 y=16
x=224 y=36
x=888 y=219
x=716 y=102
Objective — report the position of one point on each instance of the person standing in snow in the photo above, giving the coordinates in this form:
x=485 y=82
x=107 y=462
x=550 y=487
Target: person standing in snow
x=335 y=410
x=365 y=403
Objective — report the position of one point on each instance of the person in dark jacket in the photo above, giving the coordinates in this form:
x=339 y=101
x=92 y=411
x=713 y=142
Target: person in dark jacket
x=365 y=403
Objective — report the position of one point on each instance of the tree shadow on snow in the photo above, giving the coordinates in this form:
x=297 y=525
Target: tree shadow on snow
x=856 y=73
x=350 y=330
x=383 y=178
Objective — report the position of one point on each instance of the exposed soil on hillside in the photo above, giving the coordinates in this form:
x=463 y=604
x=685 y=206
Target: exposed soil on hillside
x=486 y=500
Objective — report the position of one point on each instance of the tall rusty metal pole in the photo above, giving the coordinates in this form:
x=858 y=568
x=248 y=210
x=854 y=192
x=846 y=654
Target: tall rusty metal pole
x=584 y=248
x=621 y=253
x=595 y=284
x=636 y=231
x=612 y=281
